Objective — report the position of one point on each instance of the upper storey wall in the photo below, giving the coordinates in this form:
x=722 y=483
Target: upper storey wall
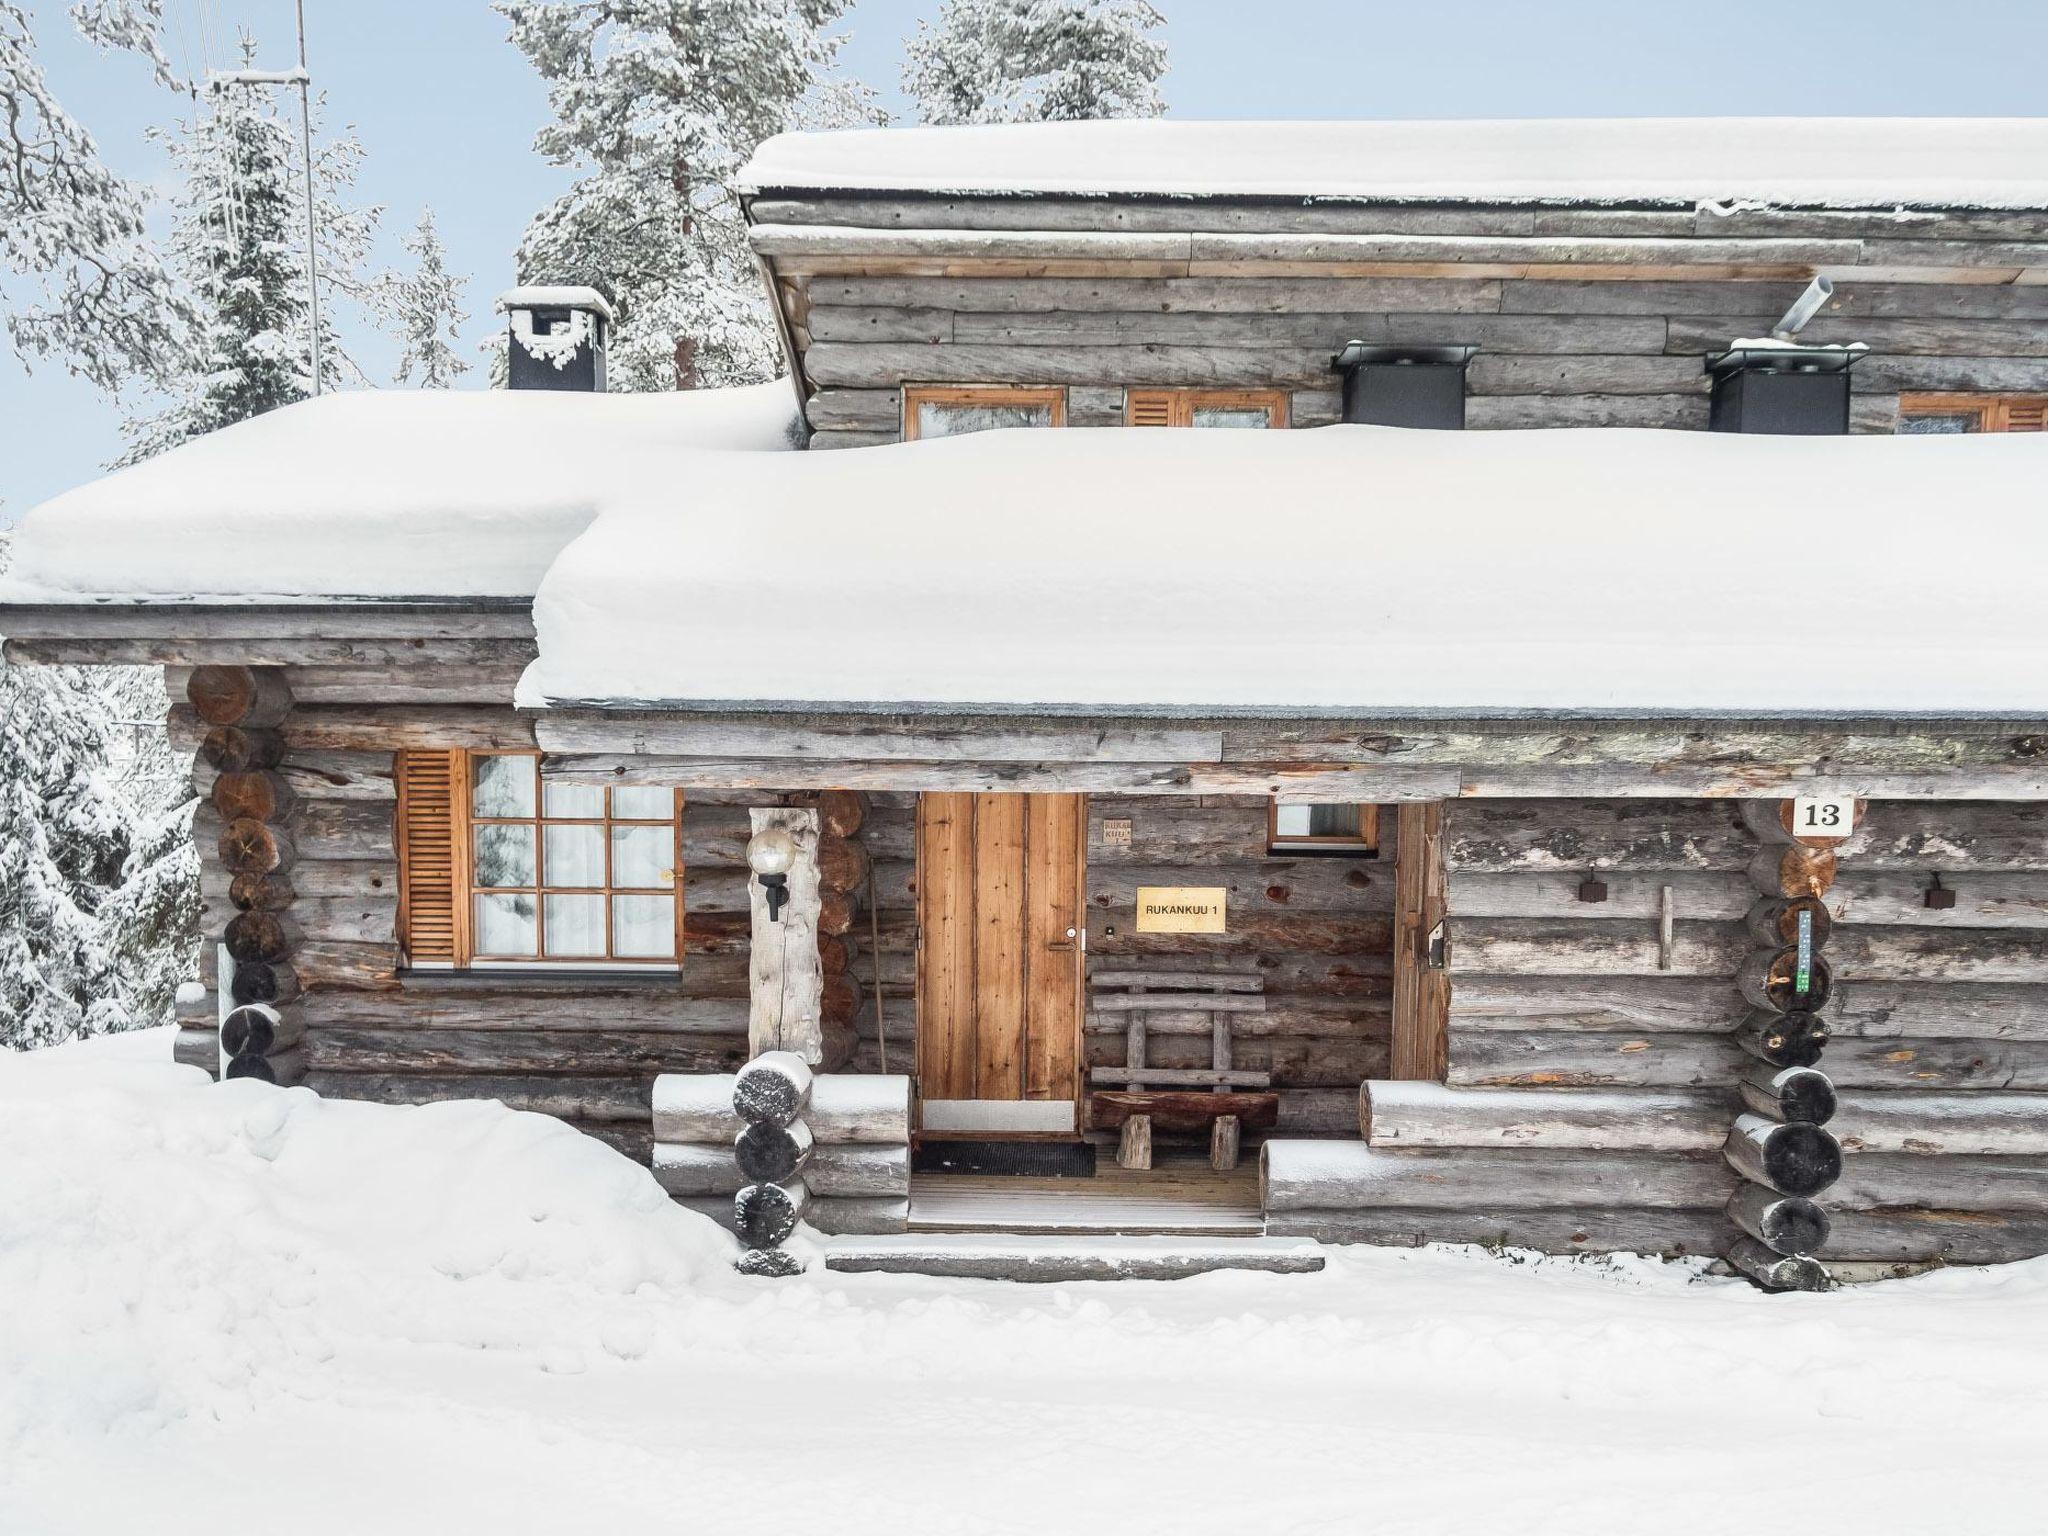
x=1585 y=316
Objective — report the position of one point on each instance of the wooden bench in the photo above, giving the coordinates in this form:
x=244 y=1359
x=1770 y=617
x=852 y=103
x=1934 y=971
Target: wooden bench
x=1142 y=1098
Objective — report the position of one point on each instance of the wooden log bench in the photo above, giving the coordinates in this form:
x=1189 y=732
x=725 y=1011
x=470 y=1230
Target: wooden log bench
x=1138 y=1099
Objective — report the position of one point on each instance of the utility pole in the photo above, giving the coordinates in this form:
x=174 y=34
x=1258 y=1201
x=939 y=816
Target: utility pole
x=303 y=79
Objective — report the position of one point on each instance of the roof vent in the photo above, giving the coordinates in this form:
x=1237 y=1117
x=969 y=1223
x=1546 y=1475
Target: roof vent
x=1781 y=388
x=559 y=335
x=1401 y=386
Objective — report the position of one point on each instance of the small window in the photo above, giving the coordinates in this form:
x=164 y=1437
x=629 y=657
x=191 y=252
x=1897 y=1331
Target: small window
x=1936 y=415
x=1352 y=829
x=570 y=873
x=935 y=412
x=1257 y=409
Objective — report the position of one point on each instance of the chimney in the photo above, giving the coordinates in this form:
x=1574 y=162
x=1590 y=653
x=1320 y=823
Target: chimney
x=1404 y=386
x=559 y=336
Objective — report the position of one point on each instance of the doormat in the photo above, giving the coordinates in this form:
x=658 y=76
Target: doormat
x=1028 y=1159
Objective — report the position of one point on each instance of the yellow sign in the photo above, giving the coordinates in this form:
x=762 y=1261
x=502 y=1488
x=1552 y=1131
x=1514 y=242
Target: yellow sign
x=1180 y=909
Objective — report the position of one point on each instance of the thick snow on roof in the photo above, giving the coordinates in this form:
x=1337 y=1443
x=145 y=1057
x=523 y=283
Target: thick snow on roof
x=1348 y=568
x=382 y=493
x=1826 y=161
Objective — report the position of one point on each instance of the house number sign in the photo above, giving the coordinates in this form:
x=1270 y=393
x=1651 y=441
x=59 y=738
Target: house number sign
x=1180 y=909
x=1823 y=815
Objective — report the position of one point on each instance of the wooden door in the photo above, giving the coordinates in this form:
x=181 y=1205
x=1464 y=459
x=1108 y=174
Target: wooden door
x=1000 y=882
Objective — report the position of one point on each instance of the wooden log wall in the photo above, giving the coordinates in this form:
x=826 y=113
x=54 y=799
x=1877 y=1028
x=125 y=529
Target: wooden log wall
x=1938 y=1006
x=1318 y=928
x=1586 y=317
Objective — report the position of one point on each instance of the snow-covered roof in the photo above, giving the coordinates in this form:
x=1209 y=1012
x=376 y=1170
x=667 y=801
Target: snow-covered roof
x=1359 y=568
x=383 y=493
x=555 y=296
x=1819 y=162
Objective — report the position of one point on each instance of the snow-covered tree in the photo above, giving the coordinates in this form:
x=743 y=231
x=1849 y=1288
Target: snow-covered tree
x=423 y=308
x=1029 y=61
x=657 y=104
x=237 y=248
x=93 y=294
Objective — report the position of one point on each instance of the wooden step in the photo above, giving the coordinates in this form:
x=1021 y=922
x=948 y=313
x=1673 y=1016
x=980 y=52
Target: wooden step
x=1043 y=1259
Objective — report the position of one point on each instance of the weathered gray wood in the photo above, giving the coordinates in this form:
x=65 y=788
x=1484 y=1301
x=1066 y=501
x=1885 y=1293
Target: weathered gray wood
x=396 y=727
x=773 y=1088
x=858 y=1216
x=1877 y=1010
x=1174 y=1002
x=1095 y=406
x=1967 y=1124
x=285 y=1069
x=1134 y=1143
x=442 y=619
x=497 y=1052
x=1224 y=1136
x=1339 y=1175
x=177 y=645
x=1541 y=1059
x=1200 y=295
x=1782 y=1223
x=844 y=1109
x=1777 y=1271
x=768 y=1153
x=1642 y=1004
x=1180 y=1077
x=1494 y=374
x=843 y=437
x=197 y=1048
x=1430 y=1115
x=879 y=323
x=1189 y=983
x=884 y=365
x=594 y=1099
x=573 y=731
x=1512 y=334
x=1793 y=1159
x=1521 y=412
x=767 y=1214
x=1881 y=1181
x=587 y=1004
x=787 y=982
x=862 y=410
x=1596 y=1229
x=1316 y=1017
x=1956 y=1237
x=1788 y=1093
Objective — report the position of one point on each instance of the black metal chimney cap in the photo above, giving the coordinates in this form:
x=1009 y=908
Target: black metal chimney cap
x=1784 y=360
x=1357 y=353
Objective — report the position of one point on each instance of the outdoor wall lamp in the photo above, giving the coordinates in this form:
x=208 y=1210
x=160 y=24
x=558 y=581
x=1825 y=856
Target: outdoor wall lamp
x=770 y=853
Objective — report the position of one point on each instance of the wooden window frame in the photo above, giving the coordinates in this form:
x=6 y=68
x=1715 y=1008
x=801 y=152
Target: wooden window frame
x=971 y=395
x=1365 y=842
x=466 y=821
x=1994 y=413
x=1181 y=405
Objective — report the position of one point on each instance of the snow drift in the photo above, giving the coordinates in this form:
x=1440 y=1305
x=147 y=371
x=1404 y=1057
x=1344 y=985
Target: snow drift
x=1353 y=568
x=383 y=493
x=1839 y=162
x=237 y=1307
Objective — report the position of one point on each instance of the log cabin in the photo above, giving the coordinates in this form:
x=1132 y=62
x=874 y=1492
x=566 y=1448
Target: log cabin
x=1527 y=726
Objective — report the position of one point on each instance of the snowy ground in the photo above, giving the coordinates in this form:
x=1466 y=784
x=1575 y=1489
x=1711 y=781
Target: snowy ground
x=240 y=1308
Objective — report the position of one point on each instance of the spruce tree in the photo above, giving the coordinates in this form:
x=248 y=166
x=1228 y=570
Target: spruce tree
x=423 y=308
x=657 y=104
x=1028 y=61
x=237 y=248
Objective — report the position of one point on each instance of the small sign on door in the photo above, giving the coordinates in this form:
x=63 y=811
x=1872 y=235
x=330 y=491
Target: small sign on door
x=1823 y=816
x=1180 y=909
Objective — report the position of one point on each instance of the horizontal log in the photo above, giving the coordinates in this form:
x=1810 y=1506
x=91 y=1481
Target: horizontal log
x=881 y=365
x=173 y=645
x=260 y=1030
x=1205 y=295
x=234 y=619
x=261 y=796
x=615 y=1100
x=1591 y=946
x=858 y=1216
x=1983 y=899
x=1952 y=1124
x=1366 y=937
x=1183 y=1000
x=1433 y=1115
x=1782 y=1223
x=1602 y=1004
x=285 y=1069
x=1793 y=1039
x=765 y=1215
x=887 y=739
x=772 y=1089
x=1514 y=334
x=249 y=697
x=1339 y=1175
x=1524 y=412
x=699 y=1169
x=1596 y=1229
x=1788 y=1093
x=1292 y=1061
x=527 y=1000
x=768 y=1152
x=845 y=1108
x=1881 y=1181
x=1541 y=1059
x=1181 y=1077
x=398 y=727
x=511 y=1051
x=1955 y=1237
x=1875 y=1010
x=197 y=1048
x=319 y=775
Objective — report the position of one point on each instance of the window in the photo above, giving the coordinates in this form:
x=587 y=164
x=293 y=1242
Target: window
x=1352 y=829
x=930 y=411
x=1254 y=408
x=1973 y=413
x=500 y=868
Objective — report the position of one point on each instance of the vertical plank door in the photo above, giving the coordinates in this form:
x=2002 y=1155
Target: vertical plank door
x=1000 y=886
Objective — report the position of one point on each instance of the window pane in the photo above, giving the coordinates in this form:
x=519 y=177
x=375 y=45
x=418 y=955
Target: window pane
x=643 y=927
x=643 y=856
x=1291 y=820
x=504 y=856
x=1945 y=423
x=643 y=802
x=1333 y=821
x=935 y=420
x=575 y=856
x=1232 y=416
x=575 y=926
x=504 y=925
x=504 y=786
x=573 y=800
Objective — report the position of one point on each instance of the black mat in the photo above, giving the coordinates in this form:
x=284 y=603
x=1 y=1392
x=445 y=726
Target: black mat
x=1029 y=1159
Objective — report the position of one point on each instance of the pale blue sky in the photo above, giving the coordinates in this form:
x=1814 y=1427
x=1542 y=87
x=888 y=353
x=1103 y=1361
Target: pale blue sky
x=446 y=108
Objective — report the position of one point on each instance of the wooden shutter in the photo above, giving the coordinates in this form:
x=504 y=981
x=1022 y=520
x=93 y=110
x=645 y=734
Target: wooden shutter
x=1151 y=407
x=2028 y=415
x=432 y=904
